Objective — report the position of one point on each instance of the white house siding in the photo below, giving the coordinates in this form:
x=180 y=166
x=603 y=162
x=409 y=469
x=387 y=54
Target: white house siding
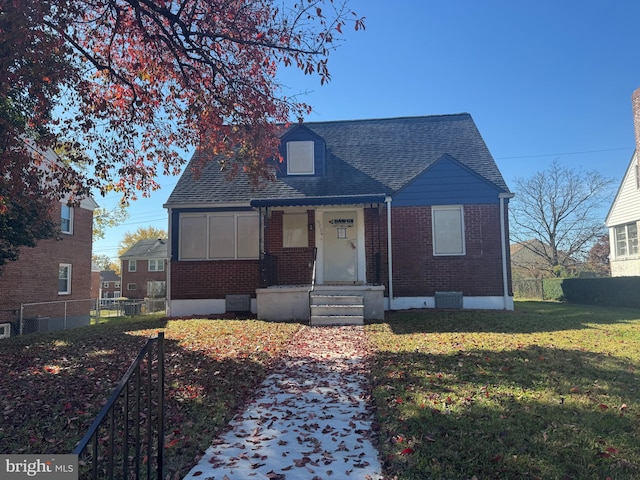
x=629 y=267
x=625 y=209
x=626 y=205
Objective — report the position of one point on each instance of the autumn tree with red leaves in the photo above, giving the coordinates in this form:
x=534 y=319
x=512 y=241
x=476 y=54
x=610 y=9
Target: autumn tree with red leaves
x=120 y=87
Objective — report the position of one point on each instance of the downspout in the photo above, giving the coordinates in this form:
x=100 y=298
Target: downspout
x=168 y=269
x=387 y=200
x=503 y=242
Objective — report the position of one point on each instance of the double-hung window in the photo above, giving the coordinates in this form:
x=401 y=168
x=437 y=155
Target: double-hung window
x=219 y=236
x=626 y=238
x=133 y=265
x=448 y=230
x=64 y=279
x=156 y=265
x=66 y=219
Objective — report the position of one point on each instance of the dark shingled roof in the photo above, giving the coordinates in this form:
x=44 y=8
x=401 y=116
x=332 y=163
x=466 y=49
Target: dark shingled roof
x=152 y=248
x=364 y=157
x=109 y=276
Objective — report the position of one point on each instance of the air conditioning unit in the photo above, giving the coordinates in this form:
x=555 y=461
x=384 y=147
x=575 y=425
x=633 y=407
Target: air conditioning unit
x=448 y=300
x=5 y=330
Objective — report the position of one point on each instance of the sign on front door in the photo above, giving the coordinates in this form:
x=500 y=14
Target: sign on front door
x=340 y=247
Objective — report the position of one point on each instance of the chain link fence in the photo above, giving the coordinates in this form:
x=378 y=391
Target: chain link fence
x=66 y=314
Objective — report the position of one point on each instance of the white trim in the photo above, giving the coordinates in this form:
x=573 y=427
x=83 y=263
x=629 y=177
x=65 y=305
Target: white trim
x=207 y=306
x=496 y=302
x=442 y=208
x=69 y=231
x=387 y=201
x=69 y=277
x=170 y=256
x=302 y=152
x=207 y=218
x=503 y=251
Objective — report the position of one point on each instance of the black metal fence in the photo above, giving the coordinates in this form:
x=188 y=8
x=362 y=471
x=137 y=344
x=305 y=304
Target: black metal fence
x=126 y=440
x=268 y=270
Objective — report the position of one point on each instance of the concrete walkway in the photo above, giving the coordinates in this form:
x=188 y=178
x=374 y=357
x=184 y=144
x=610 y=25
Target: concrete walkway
x=308 y=420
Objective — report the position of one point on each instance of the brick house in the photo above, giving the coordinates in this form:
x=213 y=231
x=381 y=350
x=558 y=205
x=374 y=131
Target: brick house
x=383 y=214
x=110 y=284
x=624 y=215
x=143 y=271
x=56 y=270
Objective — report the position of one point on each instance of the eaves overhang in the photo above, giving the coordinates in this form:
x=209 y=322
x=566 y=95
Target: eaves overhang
x=318 y=201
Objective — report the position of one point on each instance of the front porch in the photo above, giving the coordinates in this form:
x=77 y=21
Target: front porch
x=291 y=302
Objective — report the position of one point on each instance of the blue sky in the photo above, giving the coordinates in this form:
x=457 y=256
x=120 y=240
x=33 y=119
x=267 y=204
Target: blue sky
x=544 y=81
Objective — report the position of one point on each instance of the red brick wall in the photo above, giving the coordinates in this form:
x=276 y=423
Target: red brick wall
x=294 y=264
x=417 y=272
x=34 y=276
x=213 y=279
x=140 y=277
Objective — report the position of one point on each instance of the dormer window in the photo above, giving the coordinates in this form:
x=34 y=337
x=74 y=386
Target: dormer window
x=300 y=159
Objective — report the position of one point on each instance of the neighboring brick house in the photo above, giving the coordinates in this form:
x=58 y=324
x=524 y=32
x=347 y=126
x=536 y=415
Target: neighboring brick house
x=623 y=218
x=425 y=189
x=56 y=270
x=143 y=269
x=110 y=285
x=95 y=281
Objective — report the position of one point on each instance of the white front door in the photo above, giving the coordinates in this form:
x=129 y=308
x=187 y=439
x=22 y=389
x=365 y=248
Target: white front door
x=340 y=242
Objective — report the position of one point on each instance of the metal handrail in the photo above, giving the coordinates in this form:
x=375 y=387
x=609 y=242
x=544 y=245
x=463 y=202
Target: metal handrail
x=313 y=278
x=108 y=413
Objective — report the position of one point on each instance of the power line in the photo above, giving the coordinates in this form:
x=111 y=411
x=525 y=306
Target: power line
x=566 y=153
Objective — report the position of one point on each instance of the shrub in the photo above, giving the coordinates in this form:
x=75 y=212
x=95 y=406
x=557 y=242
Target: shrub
x=608 y=292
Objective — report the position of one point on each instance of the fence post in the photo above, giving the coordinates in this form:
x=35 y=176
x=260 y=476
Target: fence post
x=160 y=404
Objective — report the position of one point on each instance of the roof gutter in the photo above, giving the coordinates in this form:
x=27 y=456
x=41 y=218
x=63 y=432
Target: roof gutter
x=317 y=201
x=387 y=200
x=508 y=305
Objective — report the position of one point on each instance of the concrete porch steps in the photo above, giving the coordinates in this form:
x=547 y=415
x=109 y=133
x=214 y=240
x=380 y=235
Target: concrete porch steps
x=336 y=309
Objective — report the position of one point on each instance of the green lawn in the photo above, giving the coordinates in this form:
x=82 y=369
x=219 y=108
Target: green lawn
x=550 y=391
x=53 y=385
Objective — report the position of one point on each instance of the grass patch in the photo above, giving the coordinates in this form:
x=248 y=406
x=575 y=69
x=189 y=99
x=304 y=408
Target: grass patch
x=549 y=391
x=53 y=385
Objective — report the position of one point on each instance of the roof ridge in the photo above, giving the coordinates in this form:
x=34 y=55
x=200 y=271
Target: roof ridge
x=388 y=119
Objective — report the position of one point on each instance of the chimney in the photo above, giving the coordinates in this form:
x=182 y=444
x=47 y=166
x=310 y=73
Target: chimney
x=635 y=102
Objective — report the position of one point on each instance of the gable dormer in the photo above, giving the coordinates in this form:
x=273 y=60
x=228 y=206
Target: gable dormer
x=303 y=153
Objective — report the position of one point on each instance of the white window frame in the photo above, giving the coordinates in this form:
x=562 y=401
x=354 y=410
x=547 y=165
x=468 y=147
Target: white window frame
x=192 y=249
x=117 y=294
x=67 y=289
x=157 y=263
x=66 y=221
x=132 y=286
x=300 y=158
x=622 y=238
x=451 y=243
x=105 y=284
x=133 y=266
x=116 y=284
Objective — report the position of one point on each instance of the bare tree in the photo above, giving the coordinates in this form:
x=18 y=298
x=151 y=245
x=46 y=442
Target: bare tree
x=559 y=208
